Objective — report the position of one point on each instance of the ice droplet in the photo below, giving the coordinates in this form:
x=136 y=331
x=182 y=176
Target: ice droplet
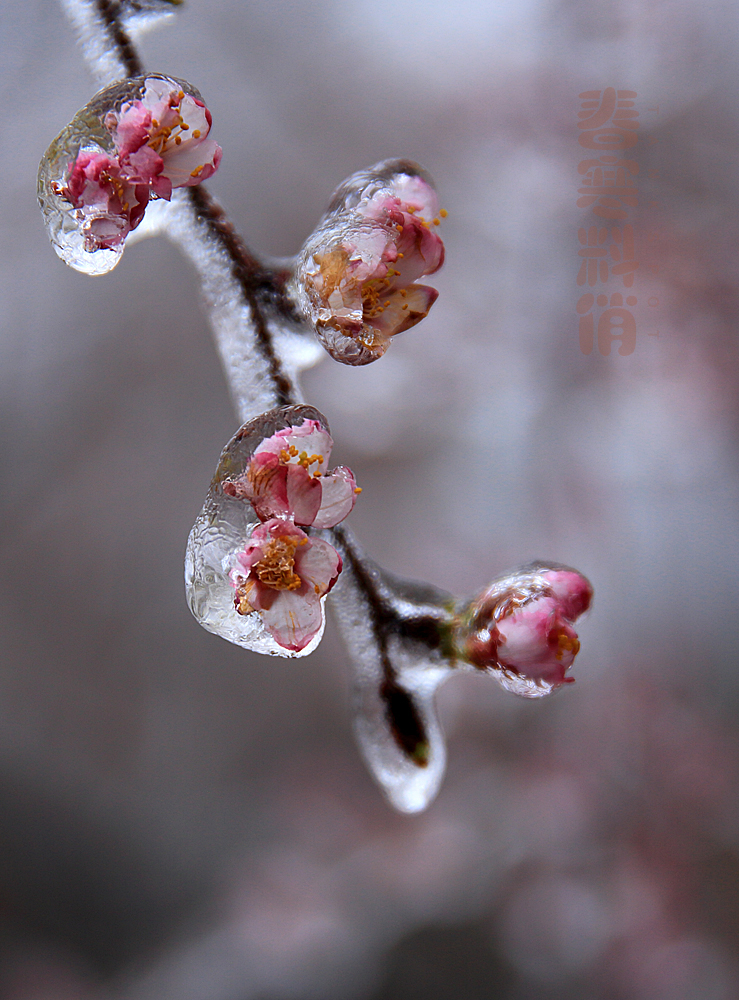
x=356 y=277
x=520 y=628
x=222 y=528
x=70 y=229
x=393 y=631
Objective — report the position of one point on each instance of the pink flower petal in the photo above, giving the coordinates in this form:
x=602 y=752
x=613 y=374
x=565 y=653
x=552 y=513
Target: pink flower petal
x=132 y=128
x=416 y=193
x=338 y=497
x=106 y=232
x=573 y=592
x=265 y=485
x=162 y=102
x=192 y=162
x=537 y=642
x=142 y=166
x=422 y=249
x=303 y=495
x=318 y=565
x=196 y=116
x=308 y=437
x=402 y=311
x=293 y=619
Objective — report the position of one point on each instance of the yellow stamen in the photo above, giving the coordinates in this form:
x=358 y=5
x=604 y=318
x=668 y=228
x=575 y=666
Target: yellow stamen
x=443 y=213
x=436 y=222
x=196 y=133
x=357 y=489
x=566 y=645
x=276 y=568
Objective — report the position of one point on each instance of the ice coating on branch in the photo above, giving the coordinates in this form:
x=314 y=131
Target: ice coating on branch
x=405 y=639
x=520 y=629
x=287 y=477
x=107 y=28
x=356 y=277
x=134 y=141
x=394 y=632
x=252 y=575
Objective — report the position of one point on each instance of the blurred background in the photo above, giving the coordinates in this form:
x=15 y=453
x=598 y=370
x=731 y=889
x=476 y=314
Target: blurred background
x=181 y=820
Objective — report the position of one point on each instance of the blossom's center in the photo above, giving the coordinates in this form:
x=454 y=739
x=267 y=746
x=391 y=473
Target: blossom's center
x=118 y=186
x=292 y=455
x=565 y=643
x=162 y=137
x=373 y=296
x=276 y=568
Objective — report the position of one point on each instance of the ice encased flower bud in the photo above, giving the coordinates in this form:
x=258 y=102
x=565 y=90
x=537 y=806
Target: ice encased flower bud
x=356 y=276
x=260 y=585
x=520 y=629
x=134 y=141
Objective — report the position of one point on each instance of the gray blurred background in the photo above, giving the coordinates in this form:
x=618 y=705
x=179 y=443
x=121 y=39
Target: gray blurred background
x=180 y=820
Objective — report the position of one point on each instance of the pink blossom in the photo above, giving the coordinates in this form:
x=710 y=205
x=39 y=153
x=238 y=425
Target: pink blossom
x=287 y=478
x=163 y=138
x=523 y=627
x=282 y=574
x=360 y=271
x=160 y=143
x=112 y=204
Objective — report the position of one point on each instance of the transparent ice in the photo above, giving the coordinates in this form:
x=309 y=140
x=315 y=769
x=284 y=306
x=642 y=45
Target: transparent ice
x=86 y=132
x=222 y=528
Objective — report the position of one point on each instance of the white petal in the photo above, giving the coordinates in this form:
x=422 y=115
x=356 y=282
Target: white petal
x=337 y=499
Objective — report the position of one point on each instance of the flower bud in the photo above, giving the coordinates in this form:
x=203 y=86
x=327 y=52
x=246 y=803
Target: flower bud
x=520 y=629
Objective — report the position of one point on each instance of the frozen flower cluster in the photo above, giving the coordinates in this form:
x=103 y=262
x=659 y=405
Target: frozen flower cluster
x=135 y=141
x=521 y=628
x=160 y=143
x=357 y=274
x=282 y=573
